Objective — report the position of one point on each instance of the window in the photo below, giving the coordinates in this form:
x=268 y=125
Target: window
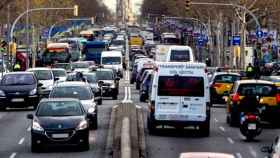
x=111 y=60
x=104 y=75
x=257 y=89
x=77 y=92
x=180 y=56
x=226 y=78
x=180 y=86
x=59 y=73
x=43 y=74
x=18 y=79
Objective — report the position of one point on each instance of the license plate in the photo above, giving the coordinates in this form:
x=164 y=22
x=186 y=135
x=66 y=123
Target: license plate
x=64 y=135
x=252 y=126
x=17 y=100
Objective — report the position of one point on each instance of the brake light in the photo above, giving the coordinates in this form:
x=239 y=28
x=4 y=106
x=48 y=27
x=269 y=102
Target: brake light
x=251 y=117
x=217 y=85
x=278 y=98
x=235 y=97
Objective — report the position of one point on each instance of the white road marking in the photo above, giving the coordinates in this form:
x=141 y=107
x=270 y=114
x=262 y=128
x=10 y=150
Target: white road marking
x=13 y=155
x=222 y=128
x=216 y=120
x=29 y=129
x=252 y=151
x=92 y=138
x=125 y=95
x=230 y=140
x=241 y=136
x=21 y=140
x=238 y=155
x=129 y=93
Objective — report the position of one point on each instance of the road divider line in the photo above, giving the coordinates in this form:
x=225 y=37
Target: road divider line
x=129 y=94
x=29 y=129
x=125 y=95
x=216 y=120
x=241 y=136
x=238 y=155
x=230 y=140
x=222 y=128
x=21 y=141
x=13 y=155
x=252 y=152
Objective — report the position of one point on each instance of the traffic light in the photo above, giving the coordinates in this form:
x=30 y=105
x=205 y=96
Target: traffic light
x=76 y=10
x=188 y=5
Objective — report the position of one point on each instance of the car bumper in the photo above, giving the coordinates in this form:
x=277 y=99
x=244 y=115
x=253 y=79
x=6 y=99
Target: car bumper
x=108 y=92
x=21 y=101
x=46 y=138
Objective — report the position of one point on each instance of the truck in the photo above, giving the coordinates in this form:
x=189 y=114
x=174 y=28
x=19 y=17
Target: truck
x=93 y=49
x=56 y=53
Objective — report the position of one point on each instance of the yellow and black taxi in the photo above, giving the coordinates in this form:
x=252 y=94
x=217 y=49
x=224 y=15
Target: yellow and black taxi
x=268 y=99
x=274 y=79
x=220 y=85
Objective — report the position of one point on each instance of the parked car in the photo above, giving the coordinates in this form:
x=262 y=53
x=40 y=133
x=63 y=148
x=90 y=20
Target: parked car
x=61 y=121
x=19 y=89
x=81 y=91
x=146 y=85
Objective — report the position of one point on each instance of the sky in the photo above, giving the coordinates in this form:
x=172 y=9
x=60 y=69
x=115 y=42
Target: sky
x=112 y=4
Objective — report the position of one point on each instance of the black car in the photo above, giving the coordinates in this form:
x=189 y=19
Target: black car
x=81 y=91
x=59 y=122
x=110 y=82
x=19 y=89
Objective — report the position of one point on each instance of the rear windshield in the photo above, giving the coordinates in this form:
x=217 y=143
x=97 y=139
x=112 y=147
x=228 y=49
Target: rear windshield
x=104 y=75
x=226 y=78
x=180 y=56
x=257 y=89
x=180 y=86
x=43 y=74
x=18 y=79
x=59 y=73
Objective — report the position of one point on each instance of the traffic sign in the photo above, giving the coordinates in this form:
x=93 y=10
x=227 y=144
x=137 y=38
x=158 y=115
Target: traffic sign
x=236 y=40
x=259 y=33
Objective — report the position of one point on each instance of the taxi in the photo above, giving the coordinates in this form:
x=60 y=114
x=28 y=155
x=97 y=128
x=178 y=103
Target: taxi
x=220 y=85
x=269 y=98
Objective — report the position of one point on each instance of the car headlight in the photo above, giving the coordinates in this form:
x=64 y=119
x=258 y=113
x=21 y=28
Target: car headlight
x=50 y=87
x=33 y=92
x=91 y=110
x=2 y=93
x=83 y=125
x=36 y=126
x=112 y=86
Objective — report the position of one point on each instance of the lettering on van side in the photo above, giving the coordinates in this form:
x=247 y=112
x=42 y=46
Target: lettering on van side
x=175 y=72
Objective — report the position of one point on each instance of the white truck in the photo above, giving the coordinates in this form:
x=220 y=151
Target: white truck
x=180 y=54
x=179 y=97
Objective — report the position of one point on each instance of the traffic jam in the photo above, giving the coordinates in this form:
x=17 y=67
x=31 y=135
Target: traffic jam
x=64 y=95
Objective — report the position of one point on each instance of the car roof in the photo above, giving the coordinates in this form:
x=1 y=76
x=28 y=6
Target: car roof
x=39 y=68
x=58 y=69
x=23 y=72
x=226 y=73
x=205 y=155
x=254 y=82
x=71 y=84
x=59 y=99
x=104 y=69
x=111 y=53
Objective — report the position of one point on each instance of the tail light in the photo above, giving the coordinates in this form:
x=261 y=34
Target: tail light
x=278 y=98
x=235 y=97
x=217 y=85
x=251 y=117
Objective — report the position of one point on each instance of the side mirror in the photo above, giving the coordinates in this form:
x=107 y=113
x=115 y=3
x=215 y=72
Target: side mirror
x=100 y=83
x=30 y=116
x=266 y=149
x=117 y=78
x=40 y=84
x=56 y=79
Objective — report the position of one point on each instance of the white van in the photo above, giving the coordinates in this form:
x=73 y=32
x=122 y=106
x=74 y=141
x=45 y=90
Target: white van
x=179 y=97
x=114 y=60
x=180 y=54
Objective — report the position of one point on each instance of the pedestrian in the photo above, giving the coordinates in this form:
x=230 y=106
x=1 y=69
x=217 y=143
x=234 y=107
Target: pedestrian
x=250 y=71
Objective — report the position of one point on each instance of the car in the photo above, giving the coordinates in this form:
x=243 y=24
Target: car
x=45 y=76
x=113 y=60
x=110 y=82
x=220 y=85
x=60 y=74
x=80 y=66
x=205 y=155
x=65 y=66
x=59 y=121
x=145 y=86
x=273 y=150
x=141 y=69
x=179 y=97
x=90 y=78
x=269 y=99
x=19 y=89
x=81 y=91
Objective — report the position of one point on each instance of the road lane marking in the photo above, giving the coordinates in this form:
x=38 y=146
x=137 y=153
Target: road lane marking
x=125 y=95
x=252 y=151
x=129 y=93
x=21 y=140
x=216 y=120
x=230 y=140
x=238 y=155
x=29 y=129
x=13 y=155
x=92 y=138
x=241 y=136
x=222 y=128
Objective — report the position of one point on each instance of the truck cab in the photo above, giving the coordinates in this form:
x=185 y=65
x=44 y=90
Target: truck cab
x=113 y=59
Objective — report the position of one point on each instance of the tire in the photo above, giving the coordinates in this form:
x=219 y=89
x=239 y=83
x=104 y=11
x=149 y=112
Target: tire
x=95 y=123
x=85 y=145
x=232 y=120
x=137 y=85
x=99 y=102
x=204 y=129
x=35 y=148
x=151 y=126
x=142 y=98
x=115 y=97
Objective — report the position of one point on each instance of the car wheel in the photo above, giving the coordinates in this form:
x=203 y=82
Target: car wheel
x=142 y=98
x=151 y=126
x=35 y=148
x=115 y=97
x=85 y=145
x=99 y=102
x=2 y=108
x=95 y=123
x=205 y=129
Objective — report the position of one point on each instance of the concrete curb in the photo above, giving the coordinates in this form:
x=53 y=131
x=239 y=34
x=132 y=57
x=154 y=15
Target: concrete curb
x=110 y=137
x=141 y=133
x=125 y=139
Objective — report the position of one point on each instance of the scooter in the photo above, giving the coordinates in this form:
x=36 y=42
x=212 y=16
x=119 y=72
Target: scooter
x=250 y=125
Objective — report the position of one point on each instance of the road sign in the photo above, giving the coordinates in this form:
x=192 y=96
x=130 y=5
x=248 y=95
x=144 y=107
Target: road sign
x=259 y=33
x=45 y=33
x=236 y=40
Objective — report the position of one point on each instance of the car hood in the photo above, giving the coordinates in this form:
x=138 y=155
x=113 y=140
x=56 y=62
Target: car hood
x=69 y=122
x=107 y=82
x=88 y=104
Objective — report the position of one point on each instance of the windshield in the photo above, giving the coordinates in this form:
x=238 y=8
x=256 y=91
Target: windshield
x=59 y=73
x=59 y=56
x=117 y=42
x=226 y=78
x=59 y=109
x=43 y=74
x=180 y=56
x=80 y=65
x=77 y=92
x=65 y=66
x=104 y=75
x=171 y=41
x=257 y=89
x=95 y=50
x=111 y=60
x=18 y=79
x=180 y=86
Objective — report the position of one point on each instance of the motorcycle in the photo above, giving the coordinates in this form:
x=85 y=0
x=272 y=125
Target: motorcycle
x=250 y=122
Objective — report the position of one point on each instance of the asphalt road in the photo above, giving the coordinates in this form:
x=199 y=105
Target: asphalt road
x=15 y=134
x=169 y=143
